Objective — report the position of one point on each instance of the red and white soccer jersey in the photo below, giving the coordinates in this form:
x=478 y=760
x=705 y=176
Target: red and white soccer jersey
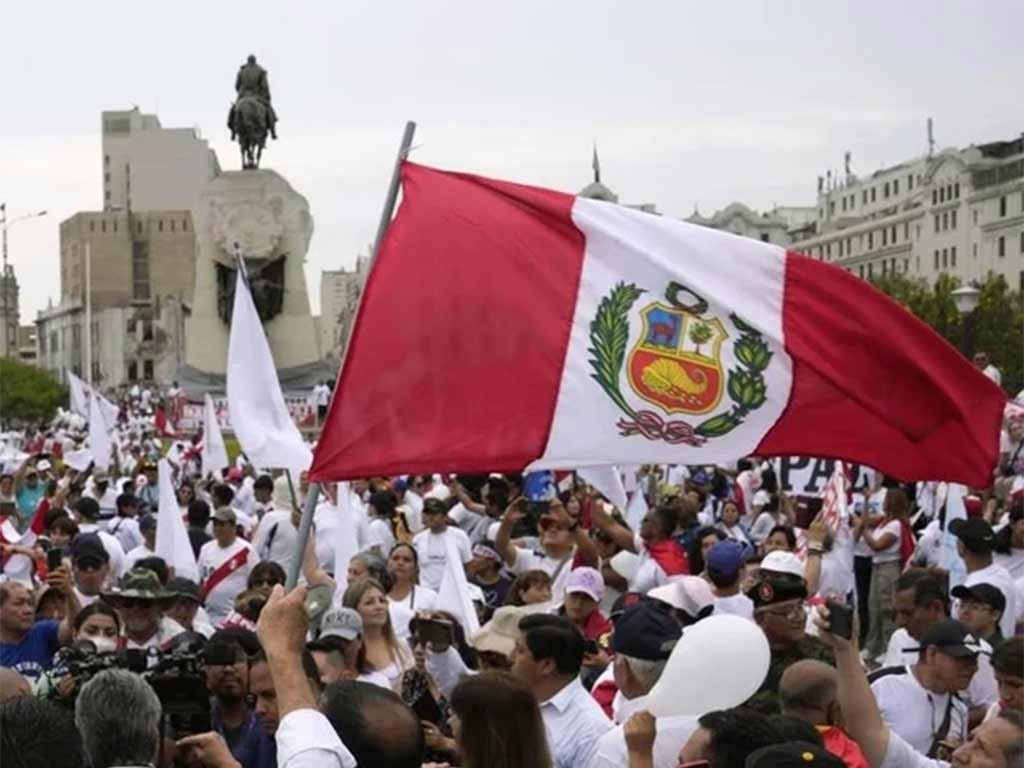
x=224 y=572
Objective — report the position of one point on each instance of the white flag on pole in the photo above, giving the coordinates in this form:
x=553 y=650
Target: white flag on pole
x=346 y=539
x=636 y=510
x=453 y=594
x=215 y=454
x=81 y=393
x=261 y=421
x=99 y=436
x=949 y=559
x=608 y=482
x=172 y=543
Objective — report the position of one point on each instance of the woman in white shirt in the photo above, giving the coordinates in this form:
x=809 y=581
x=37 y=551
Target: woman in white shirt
x=729 y=523
x=382 y=651
x=884 y=541
x=406 y=596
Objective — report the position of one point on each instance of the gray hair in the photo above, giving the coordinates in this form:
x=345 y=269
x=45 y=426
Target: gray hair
x=645 y=671
x=118 y=715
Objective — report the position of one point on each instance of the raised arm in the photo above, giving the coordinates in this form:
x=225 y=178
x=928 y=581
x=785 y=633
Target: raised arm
x=503 y=539
x=619 y=534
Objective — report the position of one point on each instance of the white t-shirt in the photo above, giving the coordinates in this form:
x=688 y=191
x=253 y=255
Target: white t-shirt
x=671 y=734
x=126 y=529
x=379 y=535
x=325 y=520
x=168 y=630
x=110 y=543
x=890 y=554
x=107 y=500
x=432 y=549
x=276 y=538
x=1013 y=562
x=914 y=712
x=928 y=551
x=374 y=678
x=983 y=689
x=736 y=605
x=136 y=554
x=402 y=611
x=998 y=577
x=899 y=754
x=221 y=600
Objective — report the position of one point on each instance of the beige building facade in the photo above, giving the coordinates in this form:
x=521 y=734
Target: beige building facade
x=339 y=298
x=778 y=226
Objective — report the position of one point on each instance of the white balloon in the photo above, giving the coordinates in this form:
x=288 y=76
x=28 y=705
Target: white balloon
x=625 y=563
x=720 y=662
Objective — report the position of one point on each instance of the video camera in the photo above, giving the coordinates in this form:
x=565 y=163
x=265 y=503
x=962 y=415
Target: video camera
x=176 y=676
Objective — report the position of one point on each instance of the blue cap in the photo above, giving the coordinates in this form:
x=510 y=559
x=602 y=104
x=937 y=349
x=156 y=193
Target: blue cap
x=726 y=557
x=646 y=631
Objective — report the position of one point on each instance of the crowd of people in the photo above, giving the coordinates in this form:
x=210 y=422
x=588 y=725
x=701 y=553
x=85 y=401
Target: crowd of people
x=894 y=632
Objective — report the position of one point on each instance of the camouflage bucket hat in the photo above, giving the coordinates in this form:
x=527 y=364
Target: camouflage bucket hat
x=138 y=584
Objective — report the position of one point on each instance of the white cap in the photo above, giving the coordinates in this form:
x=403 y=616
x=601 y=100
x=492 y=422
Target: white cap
x=625 y=563
x=781 y=561
x=690 y=594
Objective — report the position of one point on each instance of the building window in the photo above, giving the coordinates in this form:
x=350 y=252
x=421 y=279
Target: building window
x=147 y=330
x=1002 y=206
x=765 y=238
x=147 y=370
x=945 y=258
x=103 y=225
x=140 y=271
x=160 y=225
x=107 y=195
x=952 y=219
x=844 y=203
x=92 y=226
x=1001 y=246
x=910 y=182
x=885 y=233
x=133 y=371
x=884 y=265
x=138 y=227
x=871 y=270
x=863 y=201
x=849 y=246
x=945 y=221
x=871 y=240
x=892 y=265
x=860 y=271
x=885 y=193
x=115 y=225
x=952 y=256
x=893 y=235
x=1022 y=242
x=938 y=220
x=896 y=187
x=839 y=243
x=130 y=326
x=184 y=225
x=906 y=262
x=974 y=251
x=106 y=160
x=872 y=200
x=935 y=197
x=828 y=250
x=974 y=216
x=936 y=259
x=831 y=207
x=906 y=231
x=956 y=190
x=942 y=194
x=949 y=192
x=106 y=177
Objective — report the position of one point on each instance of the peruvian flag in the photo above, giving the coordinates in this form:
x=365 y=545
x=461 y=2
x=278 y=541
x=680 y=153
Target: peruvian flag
x=506 y=327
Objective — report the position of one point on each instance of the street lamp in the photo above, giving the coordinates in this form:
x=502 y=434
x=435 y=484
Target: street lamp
x=6 y=286
x=966 y=301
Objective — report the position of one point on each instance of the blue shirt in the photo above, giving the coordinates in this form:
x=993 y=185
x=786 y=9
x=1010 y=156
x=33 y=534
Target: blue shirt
x=253 y=747
x=33 y=655
x=28 y=499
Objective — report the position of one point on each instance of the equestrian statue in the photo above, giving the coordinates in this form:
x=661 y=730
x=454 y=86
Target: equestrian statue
x=252 y=115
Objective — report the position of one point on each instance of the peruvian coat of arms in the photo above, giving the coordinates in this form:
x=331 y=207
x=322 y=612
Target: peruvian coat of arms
x=676 y=365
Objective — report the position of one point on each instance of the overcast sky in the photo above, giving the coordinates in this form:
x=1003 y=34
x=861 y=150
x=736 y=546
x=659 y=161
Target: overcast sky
x=690 y=103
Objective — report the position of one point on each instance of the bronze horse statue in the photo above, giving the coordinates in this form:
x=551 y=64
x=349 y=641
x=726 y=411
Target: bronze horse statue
x=249 y=121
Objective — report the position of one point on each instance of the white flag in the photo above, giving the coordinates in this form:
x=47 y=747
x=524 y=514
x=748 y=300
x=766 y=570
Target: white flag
x=79 y=400
x=636 y=510
x=99 y=436
x=346 y=538
x=172 y=543
x=949 y=558
x=453 y=594
x=261 y=421
x=608 y=482
x=215 y=454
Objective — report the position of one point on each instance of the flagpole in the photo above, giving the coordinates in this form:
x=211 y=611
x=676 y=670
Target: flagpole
x=382 y=227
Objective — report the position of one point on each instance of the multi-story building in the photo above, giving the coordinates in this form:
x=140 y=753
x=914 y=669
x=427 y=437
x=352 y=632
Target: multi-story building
x=959 y=212
x=147 y=167
x=778 y=226
x=28 y=351
x=142 y=274
x=339 y=299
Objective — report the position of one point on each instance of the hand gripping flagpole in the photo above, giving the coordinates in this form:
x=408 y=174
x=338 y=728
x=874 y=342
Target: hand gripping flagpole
x=385 y=219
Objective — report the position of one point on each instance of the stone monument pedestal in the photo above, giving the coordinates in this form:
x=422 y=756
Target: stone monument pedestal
x=272 y=226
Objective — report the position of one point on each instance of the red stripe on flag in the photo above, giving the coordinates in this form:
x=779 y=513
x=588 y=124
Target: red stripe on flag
x=875 y=385
x=462 y=333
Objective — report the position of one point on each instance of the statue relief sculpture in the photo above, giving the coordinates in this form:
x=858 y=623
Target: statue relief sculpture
x=252 y=116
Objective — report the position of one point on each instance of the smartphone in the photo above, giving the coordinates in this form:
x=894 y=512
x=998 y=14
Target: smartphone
x=840 y=618
x=54 y=558
x=806 y=509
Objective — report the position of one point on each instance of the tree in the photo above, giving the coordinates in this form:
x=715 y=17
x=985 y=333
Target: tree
x=28 y=394
x=700 y=334
x=998 y=322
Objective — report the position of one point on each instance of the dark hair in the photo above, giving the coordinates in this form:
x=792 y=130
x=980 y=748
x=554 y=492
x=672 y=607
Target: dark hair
x=244 y=640
x=263 y=483
x=97 y=607
x=415 y=557
x=899 y=504
x=498 y=493
x=309 y=667
x=786 y=531
x=384 y=503
x=1014 y=752
x=667 y=518
x=468 y=653
x=788 y=728
x=501 y=723
x=377 y=727
x=87 y=507
x=556 y=638
x=928 y=587
x=198 y=513
x=222 y=494
x=64 y=524
x=126 y=500
x=434 y=507
x=36 y=732
x=266 y=568
x=724 y=580
x=694 y=553
x=523 y=582
x=1009 y=657
x=157 y=565
x=735 y=733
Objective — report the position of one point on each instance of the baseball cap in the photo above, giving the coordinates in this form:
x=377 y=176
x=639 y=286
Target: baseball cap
x=781 y=561
x=586 y=581
x=646 y=631
x=179 y=586
x=339 y=622
x=88 y=546
x=44 y=465
x=950 y=637
x=690 y=594
x=225 y=514
x=975 y=533
x=793 y=754
x=726 y=557
x=99 y=476
x=982 y=593
x=772 y=588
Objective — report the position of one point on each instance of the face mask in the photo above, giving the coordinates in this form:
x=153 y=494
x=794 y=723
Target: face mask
x=103 y=644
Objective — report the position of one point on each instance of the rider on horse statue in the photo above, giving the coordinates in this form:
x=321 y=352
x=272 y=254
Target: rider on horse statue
x=252 y=81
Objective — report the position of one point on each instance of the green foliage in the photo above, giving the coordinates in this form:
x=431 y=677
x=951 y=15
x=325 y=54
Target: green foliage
x=998 y=322
x=609 y=333
x=701 y=333
x=28 y=394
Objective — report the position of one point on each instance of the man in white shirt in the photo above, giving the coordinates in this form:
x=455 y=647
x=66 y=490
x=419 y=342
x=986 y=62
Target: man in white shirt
x=920 y=702
x=724 y=564
x=140 y=598
x=976 y=542
x=147 y=532
x=275 y=537
x=643 y=640
x=88 y=510
x=981 y=362
x=90 y=567
x=995 y=743
x=101 y=490
x=548 y=658
x=432 y=543
x=224 y=565
x=124 y=525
